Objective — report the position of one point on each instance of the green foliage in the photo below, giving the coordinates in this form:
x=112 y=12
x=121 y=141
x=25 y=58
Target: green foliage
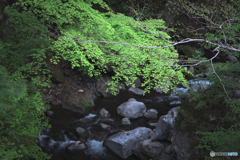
x=101 y=42
x=21 y=118
x=23 y=48
x=213 y=102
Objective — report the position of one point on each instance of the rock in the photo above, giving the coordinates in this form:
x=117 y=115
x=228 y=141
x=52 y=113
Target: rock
x=137 y=82
x=80 y=91
x=131 y=109
x=122 y=143
x=136 y=90
x=77 y=146
x=152 y=124
x=184 y=147
x=67 y=72
x=126 y=121
x=152 y=149
x=57 y=76
x=181 y=92
x=159 y=90
x=165 y=125
x=197 y=85
x=231 y=58
x=191 y=69
x=169 y=149
x=101 y=87
x=105 y=126
x=149 y=149
x=237 y=94
x=151 y=114
x=50 y=113
x=175 y=103
x=81 y=132
x=104 y=113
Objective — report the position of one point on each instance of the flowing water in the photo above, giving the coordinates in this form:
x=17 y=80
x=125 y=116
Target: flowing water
x=65 y=122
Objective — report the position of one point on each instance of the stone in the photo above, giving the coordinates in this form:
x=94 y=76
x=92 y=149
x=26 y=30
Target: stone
x=137 y=82
x=81 y=132
x=155 y=150
x=152 y=124
x=122 y=143
x=105 y=126
x=104 y=113
x=191 y=69
x=126 y=121
x=50 y=113
x=165 y=125
x=151 y=114
x=131 y=109
x=80 y=91
x=197 y=85
x=180 y=92
x=151 y=148
x=101 y=87
x=136 y=90
x=237 y=94
x=78 y=145
x=175 y=103
x=231 y=58
x=159 y=90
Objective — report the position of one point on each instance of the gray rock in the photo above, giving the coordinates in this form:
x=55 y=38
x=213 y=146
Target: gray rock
x=101 y=87
x=104 y=113
x=122 y=143
x=81 y=132
x=175 y=103
x=155 y=150
x=105 y=126
x=237 y=93
x=126 y=121
x=137 y=82
x=50 y=113
x=197 y=85
x=191 y=69
x=159 y=90
x=151 y=114
x=77 y=146
x=152 y=124
x=131 y=109
x=136 y=90
x=181 y=92
x=152 y=149
x=231 y=58
x=80 y=91
x=165 y=125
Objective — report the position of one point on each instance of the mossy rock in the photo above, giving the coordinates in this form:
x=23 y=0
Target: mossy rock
x=57 y=76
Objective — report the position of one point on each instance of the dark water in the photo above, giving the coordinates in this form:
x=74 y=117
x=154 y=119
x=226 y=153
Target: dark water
x=64 y=122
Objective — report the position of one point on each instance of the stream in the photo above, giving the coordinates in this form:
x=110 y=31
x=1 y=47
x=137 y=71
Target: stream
x=64 y=124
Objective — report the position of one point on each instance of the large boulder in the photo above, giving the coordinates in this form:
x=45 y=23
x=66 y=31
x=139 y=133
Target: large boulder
x=131 y=109
x=165 y=125
x=155 y=150
x=122 y=143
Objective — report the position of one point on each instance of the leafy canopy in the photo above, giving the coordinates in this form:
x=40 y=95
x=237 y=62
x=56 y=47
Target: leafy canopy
x=99 y=42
